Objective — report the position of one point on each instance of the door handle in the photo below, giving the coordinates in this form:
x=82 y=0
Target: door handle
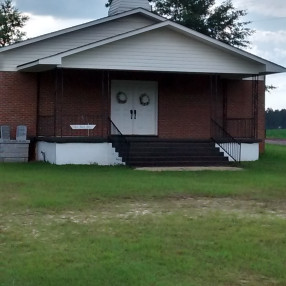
x=131 y=113
x=135 y=113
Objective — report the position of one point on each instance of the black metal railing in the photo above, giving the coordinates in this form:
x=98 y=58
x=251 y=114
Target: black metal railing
x=225 y=141
x=119 y=142
x=241 y=127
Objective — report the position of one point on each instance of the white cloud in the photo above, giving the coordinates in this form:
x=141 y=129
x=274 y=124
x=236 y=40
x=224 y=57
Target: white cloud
x=39 y=25
x=281 y=52
x=269 y=45
x=274 y=8
x=63 y=8
x=273 y=37
x=276 y=99
x=258 y=51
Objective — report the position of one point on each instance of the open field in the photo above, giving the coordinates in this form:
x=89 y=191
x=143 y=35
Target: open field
x=90 y=225
x=276 y=133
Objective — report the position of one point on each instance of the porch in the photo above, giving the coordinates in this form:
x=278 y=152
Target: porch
x=189 y=107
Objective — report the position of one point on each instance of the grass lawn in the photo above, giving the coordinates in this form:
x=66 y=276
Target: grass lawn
x=90 y=225
x=276 y=133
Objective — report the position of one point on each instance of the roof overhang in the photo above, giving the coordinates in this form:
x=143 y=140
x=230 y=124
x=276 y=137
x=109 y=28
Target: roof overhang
x=54 y=61
x=40 y=65
x=141 y=11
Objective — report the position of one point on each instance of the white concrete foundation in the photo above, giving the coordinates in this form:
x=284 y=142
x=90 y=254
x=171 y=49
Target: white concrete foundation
x=249 y=151
x=77 y=153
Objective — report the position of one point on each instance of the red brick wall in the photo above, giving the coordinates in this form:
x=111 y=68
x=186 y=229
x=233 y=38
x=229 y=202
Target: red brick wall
x=18 y=101
x=184 y=107
x=72 y=97
x=239 y=104
x=184 y=102
x=239 y=98
x=47 y=90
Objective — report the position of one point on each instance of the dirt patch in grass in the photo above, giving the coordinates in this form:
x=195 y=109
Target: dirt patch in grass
x=179 y=240
x=128 y=209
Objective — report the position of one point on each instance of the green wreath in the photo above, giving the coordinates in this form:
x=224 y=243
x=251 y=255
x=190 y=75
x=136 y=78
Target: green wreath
x=144 y=99
x=121 y=97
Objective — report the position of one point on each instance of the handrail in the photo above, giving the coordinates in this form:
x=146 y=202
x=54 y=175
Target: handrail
x=225 y=141
x=119 y=142
x=241 y=127
x=113 y=126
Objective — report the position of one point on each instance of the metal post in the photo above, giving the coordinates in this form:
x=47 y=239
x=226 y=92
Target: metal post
x=62 y=98
x=224 y=116
x=56 y=102
x=103 y=119
x=38 y=103
x=255 y=105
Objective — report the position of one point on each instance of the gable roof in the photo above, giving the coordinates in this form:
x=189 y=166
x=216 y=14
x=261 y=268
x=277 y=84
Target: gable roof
x=83 y=26
x=56 y=59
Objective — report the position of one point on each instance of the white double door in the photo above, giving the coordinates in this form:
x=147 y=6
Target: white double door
x=134 y=106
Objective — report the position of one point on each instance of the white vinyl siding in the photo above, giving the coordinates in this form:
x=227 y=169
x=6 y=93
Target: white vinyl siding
x=25 y=54
x=162 y=50
x=119 y=6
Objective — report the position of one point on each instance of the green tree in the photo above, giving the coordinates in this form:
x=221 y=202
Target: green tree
x=269 y=88
x=221 y=22
x=11 y=22
x=275 y=118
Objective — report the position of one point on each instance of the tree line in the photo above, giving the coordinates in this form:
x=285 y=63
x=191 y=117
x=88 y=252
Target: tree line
x=275 y=119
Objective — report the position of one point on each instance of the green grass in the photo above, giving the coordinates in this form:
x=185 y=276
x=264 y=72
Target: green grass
x=276 y=133
x=90 y=225
x=38 y=185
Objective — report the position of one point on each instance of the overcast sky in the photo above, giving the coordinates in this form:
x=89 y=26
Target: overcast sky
x=268 y=19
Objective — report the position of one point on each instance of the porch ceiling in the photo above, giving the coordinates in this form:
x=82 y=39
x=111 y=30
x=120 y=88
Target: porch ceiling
x=40 y=65
x=36 y=67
